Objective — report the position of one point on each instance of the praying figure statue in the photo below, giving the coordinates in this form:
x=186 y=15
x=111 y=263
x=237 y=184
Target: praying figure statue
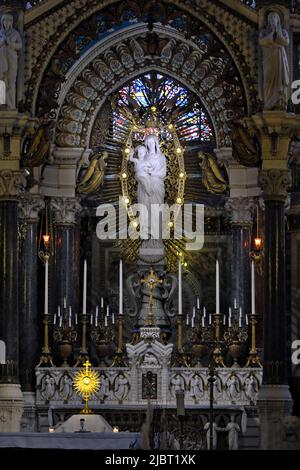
x=10 y=43
x=273 y=40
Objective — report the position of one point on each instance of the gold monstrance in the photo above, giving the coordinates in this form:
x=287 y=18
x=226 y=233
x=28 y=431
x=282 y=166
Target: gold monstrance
x=151 y=281
x=85 y=384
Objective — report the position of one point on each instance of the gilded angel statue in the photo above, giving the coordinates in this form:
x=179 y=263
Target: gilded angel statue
x=94 y=176
x=212 y=177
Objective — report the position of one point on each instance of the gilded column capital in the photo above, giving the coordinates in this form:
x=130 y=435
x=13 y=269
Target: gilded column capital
x=66 y=210
x=29 y=207
x=11 y=184
x=240 y=210
x=275 y=184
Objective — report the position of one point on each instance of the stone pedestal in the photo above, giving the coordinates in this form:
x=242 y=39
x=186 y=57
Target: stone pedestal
x=11 y=407
x=274 y=404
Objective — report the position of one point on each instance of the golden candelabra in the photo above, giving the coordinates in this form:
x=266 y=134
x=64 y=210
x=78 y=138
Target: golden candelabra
x=119 y=360
x=86 y=382
x=181 y=358
x=253 y=360
x=83 y=354
x=217 y=353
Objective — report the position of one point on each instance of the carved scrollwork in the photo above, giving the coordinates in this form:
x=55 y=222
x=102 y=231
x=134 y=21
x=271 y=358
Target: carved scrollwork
x=65 y=210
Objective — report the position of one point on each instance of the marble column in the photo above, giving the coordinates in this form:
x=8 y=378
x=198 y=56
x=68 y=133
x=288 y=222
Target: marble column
x=274 y=398
x=241 y=211
x=10 y=185
x=67 y=251
x=30 y=317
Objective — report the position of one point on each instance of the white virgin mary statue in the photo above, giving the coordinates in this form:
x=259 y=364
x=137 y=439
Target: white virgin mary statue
x=274 y=40
x=150 y=171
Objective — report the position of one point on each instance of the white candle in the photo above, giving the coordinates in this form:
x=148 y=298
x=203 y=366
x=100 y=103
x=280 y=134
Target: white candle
x=107 y=311
x=224 y=320
x=102 y=302
x=217 y=288
x=241 y=312
x=203 y=321
x=198 y=303
x=204 y=312
x=113 y=318
x=229 y=312
x=240 y=322
x=54 y=320
x=65 y=302
x=58 y=311
x=194 y=312
x=229 y=322
x=179 y=288
x=46 y=287
x=70 y=321
x=247 y=321
x=84 y=288
x=252 y=287
x=234 y=303
x=96 y=321
x=187 y=320
x=210 y=318
x=70 y=311
x=91 y=319
x=121 y=288
x=97 y=311
x=60 y=321
x=105 y=321
x=76 y=319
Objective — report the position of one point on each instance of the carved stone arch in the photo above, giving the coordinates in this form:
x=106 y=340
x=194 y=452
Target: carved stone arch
x=111 y=64
x=211 y=16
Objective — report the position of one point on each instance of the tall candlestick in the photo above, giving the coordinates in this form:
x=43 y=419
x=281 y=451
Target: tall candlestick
x=84 y=288
x=179 y=288
x=65 y=302
x=198 y=303
x=234 y=303
x=107 y=311
x=229 y=310
x=46 y=286
x=217 y=288
x=204 y=312
x=102 y=302
x=121 y=288
x=58 y=311
x=194 y=312
x=105 y=321
x=241 y=312
x=252 y=287
x=97 y=311
x=203 y=321
x=193 y=322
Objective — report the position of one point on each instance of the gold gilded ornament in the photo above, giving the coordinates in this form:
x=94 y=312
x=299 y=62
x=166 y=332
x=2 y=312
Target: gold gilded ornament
x=86 y=382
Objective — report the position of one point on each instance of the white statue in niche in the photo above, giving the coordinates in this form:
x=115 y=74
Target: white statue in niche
x=150 y=172
x=251 y=388
x=10 y=43
x=197 y=388
x=273 y=41
x=233 y=434
x=121 y=387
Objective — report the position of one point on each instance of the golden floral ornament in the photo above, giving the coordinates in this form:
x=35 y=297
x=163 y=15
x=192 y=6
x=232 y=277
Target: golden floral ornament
x=86 y=383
